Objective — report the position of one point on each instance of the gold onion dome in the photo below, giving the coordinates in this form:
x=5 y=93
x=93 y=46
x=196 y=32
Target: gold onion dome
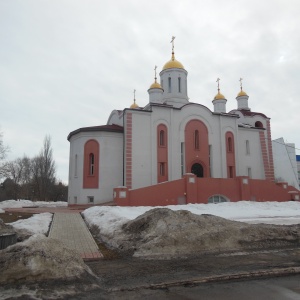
x=173 y=63
x=242 y=93
x=219 y=96
x=134 y=105
x=155 y=85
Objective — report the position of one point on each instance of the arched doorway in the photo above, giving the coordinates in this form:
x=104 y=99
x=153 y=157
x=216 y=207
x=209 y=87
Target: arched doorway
x=197 y=169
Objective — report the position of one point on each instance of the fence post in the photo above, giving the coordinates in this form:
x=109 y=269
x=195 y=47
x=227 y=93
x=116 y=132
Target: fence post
x=121 y=196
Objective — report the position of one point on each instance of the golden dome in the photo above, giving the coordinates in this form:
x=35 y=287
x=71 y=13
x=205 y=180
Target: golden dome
x=134 y=105
x=173 y=63
x=242 y=93
x=155 y=85
x=219 y=96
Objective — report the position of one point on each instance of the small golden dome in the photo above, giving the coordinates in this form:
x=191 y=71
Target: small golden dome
x=219 y=96
x=134 y=105
x=173 y=63
x=155 y=85
x=242 y=93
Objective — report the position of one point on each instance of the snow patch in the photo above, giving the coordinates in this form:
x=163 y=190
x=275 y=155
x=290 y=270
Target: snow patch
x=38 y=223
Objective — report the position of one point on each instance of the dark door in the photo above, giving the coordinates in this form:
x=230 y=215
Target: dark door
x=197 y=169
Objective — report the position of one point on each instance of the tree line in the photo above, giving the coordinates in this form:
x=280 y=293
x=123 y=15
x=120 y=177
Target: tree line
x=31 y=178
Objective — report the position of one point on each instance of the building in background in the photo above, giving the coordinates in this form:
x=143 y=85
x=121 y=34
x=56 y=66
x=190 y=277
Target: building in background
x=298 y=167
x=285 y=164
x=172 y=136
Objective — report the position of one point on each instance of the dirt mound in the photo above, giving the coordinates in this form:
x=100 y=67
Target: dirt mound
x=40 y=258
x=163 y=232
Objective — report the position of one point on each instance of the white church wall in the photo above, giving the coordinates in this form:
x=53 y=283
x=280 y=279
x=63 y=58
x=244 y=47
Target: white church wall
x=141 y=149
x=110 y=171
x=250 y=155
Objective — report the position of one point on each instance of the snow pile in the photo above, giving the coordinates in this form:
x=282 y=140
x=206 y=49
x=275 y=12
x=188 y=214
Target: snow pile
x=163 y=232
x=108 y=219
x=38 y=223
x=40 y=258
x=24 y=203
x=5 y=228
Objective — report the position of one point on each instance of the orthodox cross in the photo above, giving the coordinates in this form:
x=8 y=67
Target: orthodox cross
x=172 y=41
x=241 y=84
x=218 y=81
x=155 y=72
x=134 y=94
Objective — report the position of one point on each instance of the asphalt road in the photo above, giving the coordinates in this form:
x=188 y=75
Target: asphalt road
x=280 y=288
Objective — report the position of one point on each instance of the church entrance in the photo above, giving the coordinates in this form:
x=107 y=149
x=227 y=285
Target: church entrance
x=197 y=169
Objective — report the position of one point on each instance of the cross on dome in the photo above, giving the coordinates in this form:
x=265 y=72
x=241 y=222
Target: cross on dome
x=241 y=83
x=172 y=41
x=219 y=96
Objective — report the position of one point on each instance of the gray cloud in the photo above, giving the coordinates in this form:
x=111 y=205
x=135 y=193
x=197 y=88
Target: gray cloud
x=67 y=64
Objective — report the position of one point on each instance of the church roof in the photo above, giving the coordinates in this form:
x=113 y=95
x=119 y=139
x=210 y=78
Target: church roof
x=249 y=113
x=107 y=128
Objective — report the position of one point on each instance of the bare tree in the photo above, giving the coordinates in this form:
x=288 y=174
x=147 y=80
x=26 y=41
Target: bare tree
x=19 y=171
x=3 y=152
x=43 y=171
x=15 y=171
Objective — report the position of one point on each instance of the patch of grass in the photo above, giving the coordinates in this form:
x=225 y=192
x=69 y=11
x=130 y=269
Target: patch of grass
x=9 y=217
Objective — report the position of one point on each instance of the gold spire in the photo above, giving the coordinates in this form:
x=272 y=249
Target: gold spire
x=134 y=105
x=155 y=84
x=219 y=96
x=173 y=63
x=241 y=93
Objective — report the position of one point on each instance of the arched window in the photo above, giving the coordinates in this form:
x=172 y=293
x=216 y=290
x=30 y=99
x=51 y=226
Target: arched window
x=162 y=138
x=259 y=124
x=229 y=143
x=91 y=164
x=162 y=153
x=169 y=85
x=179 y=85
x=196 y=140
x=217 y=199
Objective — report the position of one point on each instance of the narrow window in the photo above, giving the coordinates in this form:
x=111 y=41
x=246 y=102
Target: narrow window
x=169 y=85
x=247 y=148
x=161 y=138
x=91 y=164
x=90 y=199
x=76 y=162
x=229 y=141
x=162 y=169
x=196 y=139
x=230 y=169
x=179 y=85
x=75 y=200
x=249 y=173
x=182 y=158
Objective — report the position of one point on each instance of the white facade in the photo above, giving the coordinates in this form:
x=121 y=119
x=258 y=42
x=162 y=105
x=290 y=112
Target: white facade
x=167 y=138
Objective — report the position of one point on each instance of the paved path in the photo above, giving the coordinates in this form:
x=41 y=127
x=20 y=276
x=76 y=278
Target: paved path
x=73 y=232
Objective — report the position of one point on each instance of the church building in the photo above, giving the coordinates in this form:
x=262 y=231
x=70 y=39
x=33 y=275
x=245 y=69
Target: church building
x=151 y=146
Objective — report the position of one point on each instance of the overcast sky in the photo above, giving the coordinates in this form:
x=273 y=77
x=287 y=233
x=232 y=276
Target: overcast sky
x=68 y=64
